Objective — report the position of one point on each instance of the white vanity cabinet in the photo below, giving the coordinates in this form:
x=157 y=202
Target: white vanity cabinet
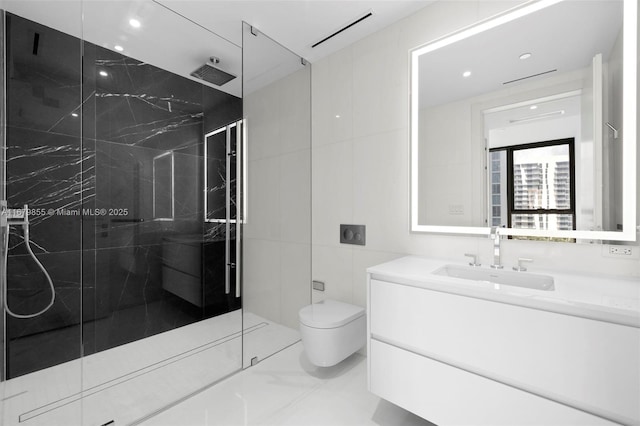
x=458 y=352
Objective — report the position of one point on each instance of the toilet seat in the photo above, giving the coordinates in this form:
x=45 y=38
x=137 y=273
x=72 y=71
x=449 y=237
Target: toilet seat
x=329 y=314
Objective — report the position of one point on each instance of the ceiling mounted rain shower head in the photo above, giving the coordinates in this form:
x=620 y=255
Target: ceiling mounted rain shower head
x=211 y=74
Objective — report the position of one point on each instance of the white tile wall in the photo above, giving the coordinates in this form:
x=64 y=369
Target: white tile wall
x=262 y=278
x=295 y=270
x=295 y=200
x=337 y=99
x=263 y=193
x=379 y=190
x=360 y=170
x=332 y=189
x=277 y=234
x=333 y=266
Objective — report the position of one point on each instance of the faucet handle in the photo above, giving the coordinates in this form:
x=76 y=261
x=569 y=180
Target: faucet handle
x=474 y=262
x=520 y=267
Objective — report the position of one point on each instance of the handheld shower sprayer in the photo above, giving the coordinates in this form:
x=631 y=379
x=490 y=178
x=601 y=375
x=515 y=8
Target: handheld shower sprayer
x=19 y=217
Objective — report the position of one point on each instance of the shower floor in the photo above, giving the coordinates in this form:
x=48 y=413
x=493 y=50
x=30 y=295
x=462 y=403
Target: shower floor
x=128 y=382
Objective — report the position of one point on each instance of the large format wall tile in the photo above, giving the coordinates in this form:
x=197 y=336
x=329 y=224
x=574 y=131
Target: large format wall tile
x=295 y=200
x=43 y=171
x=376 y=161
x=262 y=278
x=139 y=104
x=334 y=267
x=219 y=109
x=264 y=194
x=295 y=291
x=332 y=201
x=43 y=76
x=278 y=226
x=86 y=150
x=333 y=112
x=128 y=300
x=54 y=336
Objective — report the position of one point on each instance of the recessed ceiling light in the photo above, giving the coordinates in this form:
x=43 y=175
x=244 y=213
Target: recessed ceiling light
x=337 y=115
x=103 y=73
x=466 y=73
x=134 y=23
x=118 y=48
x=525 y=56
x=533 y=107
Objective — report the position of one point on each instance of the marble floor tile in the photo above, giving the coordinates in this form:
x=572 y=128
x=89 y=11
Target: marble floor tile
x=286 y=389
x=126 y=383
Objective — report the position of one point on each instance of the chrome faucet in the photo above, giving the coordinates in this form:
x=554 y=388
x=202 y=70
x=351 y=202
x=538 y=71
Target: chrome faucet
x=474 y=262
x=520 y=267
x=495 y=234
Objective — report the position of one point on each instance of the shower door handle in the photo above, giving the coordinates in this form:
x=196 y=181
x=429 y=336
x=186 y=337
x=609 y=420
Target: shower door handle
x=4 y=225
x=239 y=194
x=227 y=207
x=227 y=278
x=227 y=281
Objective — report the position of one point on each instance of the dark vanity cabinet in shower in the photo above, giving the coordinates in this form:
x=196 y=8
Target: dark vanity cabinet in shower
x=194 y=270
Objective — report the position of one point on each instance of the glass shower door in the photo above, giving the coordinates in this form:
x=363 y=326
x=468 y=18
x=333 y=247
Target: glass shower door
x=106 y=147
x=277 y=224
x=161 y=319
x=42 y=244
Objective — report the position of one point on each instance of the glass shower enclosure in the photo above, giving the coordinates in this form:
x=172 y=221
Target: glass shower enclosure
x=155 y=226
x=106 y=178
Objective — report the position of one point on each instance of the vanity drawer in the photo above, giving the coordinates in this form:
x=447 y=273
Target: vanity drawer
x=562 y=357
x=446 y=395
x=182 y=256
x=183 y=285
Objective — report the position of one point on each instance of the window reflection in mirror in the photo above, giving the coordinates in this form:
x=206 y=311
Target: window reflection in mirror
x=532 y=186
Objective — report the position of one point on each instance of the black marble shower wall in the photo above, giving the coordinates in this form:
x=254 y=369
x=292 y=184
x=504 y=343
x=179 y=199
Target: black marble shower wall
x=44 y=170
x=83 y=131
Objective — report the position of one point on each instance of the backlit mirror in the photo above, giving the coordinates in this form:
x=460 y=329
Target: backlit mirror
x=163 y=186
x=527 y=121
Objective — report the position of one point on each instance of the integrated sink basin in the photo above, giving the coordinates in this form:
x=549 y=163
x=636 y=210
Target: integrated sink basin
x=498 y=276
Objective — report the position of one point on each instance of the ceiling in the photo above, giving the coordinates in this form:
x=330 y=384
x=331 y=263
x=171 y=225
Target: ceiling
x=180 y=35
x=296 y=24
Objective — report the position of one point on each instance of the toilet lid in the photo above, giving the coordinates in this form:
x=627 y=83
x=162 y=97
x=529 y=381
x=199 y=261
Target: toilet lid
x=329 y=314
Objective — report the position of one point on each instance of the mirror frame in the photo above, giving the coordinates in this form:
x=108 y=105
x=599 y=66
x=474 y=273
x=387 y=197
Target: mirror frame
x=629 y=117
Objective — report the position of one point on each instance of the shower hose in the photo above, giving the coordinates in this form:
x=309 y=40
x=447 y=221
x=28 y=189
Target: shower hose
x=25 y=226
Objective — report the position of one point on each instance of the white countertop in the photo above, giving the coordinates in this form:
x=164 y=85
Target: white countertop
x=598 y=297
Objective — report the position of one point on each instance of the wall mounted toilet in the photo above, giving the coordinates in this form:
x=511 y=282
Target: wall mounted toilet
x=331 y=331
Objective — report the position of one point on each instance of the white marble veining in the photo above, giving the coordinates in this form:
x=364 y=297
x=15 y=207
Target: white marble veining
x=287 y=390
